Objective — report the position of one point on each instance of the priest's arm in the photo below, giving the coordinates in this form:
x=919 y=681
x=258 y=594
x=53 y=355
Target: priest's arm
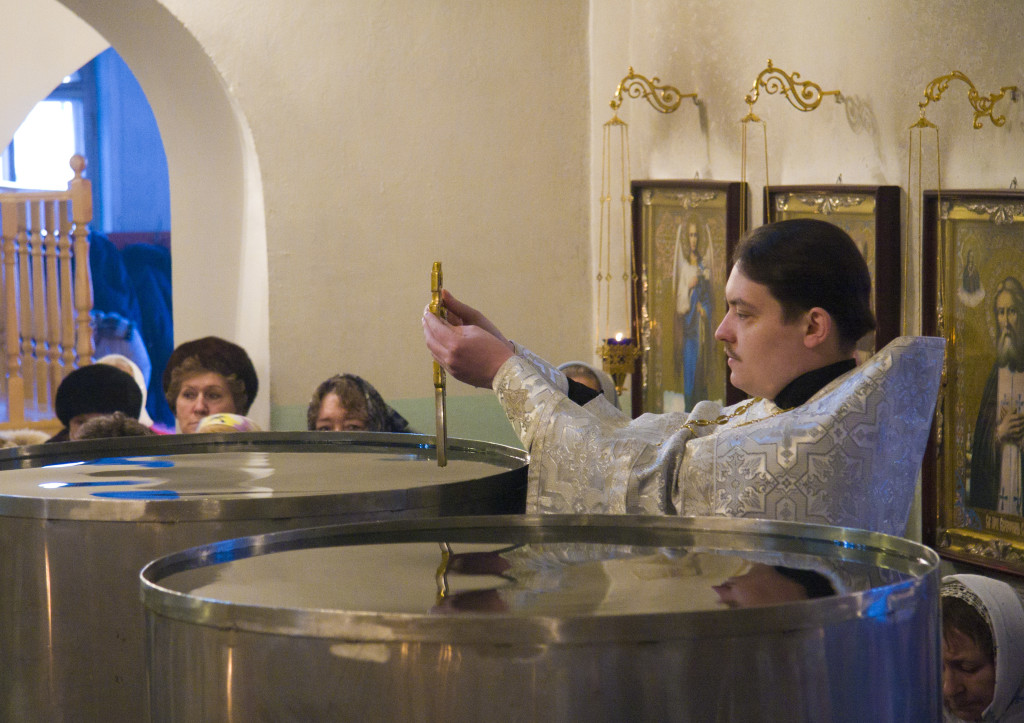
x=848 y=456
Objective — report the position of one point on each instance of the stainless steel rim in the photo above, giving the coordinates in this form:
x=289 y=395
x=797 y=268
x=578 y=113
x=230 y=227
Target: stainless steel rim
x=509 y=462
x=915 y=560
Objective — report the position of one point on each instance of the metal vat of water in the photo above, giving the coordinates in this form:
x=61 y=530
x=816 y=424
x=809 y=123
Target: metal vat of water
x=523 y=618
x=78 y=521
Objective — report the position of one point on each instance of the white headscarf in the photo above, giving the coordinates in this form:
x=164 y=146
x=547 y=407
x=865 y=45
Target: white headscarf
x=120 y=361
x=603 y=378
x=1003 y=607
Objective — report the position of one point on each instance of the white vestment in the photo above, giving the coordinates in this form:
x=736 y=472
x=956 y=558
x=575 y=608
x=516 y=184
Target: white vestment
x=849 y=456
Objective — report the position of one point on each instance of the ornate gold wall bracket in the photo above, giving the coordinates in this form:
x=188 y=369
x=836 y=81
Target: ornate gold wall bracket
x=803 y=95
x=982 y=105
x=663 y=98
x=619 y=352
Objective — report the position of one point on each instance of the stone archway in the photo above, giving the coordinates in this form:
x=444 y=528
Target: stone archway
x=219 y=266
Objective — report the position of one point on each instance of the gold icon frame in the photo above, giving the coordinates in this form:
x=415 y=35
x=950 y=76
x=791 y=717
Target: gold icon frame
x=663 y=210
x=984 y=230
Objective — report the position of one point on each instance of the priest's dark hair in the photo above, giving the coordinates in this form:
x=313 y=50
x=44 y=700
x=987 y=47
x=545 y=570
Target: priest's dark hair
x=806 y=263
x=814 y=583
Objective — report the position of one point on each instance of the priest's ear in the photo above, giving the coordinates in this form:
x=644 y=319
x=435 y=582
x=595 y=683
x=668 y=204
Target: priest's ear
x=818 y=327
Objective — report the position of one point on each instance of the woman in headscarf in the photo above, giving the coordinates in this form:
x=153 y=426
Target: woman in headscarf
x=225 y=422
x=591 y=376
x=128 y=366
x=347 y=403
x=208 y=376
x=982 y=650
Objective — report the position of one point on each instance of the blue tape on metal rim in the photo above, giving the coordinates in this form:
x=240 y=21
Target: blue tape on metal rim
x=139 y=495
x=133 y=461
x=109 y=483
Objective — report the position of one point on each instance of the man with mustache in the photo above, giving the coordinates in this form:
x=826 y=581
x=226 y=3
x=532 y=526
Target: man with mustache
x=798 y=301
x=996 y=451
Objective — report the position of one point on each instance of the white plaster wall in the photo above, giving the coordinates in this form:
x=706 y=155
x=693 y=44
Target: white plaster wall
x=880 y=54
x=391 y=135
x=39 y=48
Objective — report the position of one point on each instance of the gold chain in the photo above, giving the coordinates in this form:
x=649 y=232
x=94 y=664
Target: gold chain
x=723 y=418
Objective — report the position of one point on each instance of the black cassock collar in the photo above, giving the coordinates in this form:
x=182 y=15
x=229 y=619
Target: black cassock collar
x=807 y=385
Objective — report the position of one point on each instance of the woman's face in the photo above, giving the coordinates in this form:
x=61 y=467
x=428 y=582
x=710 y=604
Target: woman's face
x=968 y=676
x=200 y=396
x=333 y=417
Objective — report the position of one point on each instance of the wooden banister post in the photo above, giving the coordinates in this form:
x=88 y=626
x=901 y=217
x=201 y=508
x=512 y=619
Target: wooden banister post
x=39 y=351
x=52 y=298
x=66 y=304
x=24 y=299
x=10 y=214
x=81 y=215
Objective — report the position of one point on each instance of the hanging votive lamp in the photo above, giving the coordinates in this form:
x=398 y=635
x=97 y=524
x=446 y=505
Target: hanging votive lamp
x=619 y=348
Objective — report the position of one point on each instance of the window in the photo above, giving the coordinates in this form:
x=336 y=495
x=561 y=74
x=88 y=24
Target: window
x=56 y=129
x=38 y=156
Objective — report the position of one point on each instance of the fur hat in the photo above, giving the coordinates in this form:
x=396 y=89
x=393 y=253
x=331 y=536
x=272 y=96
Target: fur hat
x=97 y=388
x=21 y=437
x=216 y=355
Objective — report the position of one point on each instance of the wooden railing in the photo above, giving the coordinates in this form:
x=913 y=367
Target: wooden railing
x=45 y=298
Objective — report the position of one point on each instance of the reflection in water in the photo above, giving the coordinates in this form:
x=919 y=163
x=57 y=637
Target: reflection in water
x=492 y=563
x=164 y=479
x=139 y=495
x=771 y=585
x=255 y=473
x=587 y=579
x=550 y=579
x=130 y=462
x=441 y=576
x=58 y=485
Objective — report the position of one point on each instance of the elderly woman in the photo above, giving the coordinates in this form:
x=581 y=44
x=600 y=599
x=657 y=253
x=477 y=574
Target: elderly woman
x=120 y=361
x=91 y=391
x=591 y=376
x=208 y=376
x=347 y=403
x=982 y=650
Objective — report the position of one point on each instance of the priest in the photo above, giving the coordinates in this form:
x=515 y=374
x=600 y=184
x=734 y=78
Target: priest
x=820 y=440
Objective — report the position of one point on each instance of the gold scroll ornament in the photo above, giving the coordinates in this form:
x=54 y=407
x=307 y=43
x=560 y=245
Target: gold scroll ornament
x=803 y=95
x=982 y=105
x=663 y=98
